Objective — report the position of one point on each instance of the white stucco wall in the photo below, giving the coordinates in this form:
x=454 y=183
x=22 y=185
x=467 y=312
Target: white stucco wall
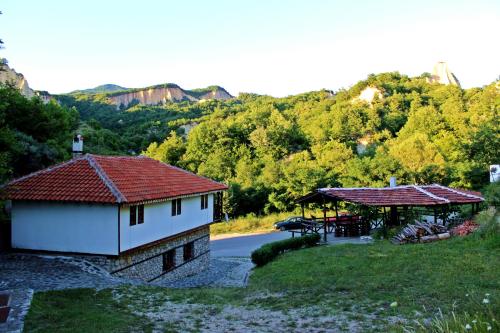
x=159 y=222
x=65 y=227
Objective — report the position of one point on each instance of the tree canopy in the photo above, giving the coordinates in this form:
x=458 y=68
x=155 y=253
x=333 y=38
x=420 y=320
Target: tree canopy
x=272 y=150
x=33 y=135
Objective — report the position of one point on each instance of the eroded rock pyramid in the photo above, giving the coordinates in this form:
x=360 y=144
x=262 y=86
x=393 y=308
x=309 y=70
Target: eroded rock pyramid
x=442 y=74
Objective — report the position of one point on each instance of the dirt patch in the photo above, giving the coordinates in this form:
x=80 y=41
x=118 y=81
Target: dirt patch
x=186 y=317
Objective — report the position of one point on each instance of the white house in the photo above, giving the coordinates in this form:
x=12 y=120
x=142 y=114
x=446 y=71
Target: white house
x=134 y=216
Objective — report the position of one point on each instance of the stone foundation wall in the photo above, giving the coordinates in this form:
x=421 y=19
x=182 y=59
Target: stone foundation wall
x=147 y=263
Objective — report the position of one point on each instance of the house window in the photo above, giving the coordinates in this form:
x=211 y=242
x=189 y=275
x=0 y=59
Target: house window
x=136 y=214
x=204 y=201
x=140 y=214
x=188 y=251
x=133 y=215
x=168 y=260
x=176 y=207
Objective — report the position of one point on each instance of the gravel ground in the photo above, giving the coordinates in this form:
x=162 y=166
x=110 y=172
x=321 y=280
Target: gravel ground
x=168 y=316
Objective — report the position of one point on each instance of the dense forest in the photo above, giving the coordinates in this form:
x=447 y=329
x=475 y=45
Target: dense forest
x=272 y=150
x=33 y=135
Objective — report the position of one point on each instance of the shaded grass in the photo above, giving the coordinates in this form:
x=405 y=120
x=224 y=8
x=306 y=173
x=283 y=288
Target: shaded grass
x=81 y=310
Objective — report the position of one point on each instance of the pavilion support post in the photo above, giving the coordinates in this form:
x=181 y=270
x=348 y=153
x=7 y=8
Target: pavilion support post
x=444 y=213
x=394 y=216
x=303 y=213
x=405 y=214
x=385 y=217
x=336 y=211
x=435 y=216
x=324 y=221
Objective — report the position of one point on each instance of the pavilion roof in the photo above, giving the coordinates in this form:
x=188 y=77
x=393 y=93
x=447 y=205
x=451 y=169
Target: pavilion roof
x=407 y=195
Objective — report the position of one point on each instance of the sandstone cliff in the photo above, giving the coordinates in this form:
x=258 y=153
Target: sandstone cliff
x=442 y=74
x=10 y=76
x=162 y=94
x=369 y=93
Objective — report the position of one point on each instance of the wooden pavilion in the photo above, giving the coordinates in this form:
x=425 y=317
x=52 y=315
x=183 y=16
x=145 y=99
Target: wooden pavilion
x=436 y=199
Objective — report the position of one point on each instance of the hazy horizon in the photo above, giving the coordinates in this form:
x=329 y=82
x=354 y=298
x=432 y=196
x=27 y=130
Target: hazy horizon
x=275 y=48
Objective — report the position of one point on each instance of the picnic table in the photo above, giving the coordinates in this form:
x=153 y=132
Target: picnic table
x=308 y=227
x=344 y=226
x=350 y=226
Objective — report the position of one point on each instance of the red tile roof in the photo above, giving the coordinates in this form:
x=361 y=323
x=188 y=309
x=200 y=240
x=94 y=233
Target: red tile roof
x=411 y=195
x=109 y=179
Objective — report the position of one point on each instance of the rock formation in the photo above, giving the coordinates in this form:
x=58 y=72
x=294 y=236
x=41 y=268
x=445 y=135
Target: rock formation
x=10 y=76
x=162 y=94
x=369 y=93
x=187 y=128
x=442 y=74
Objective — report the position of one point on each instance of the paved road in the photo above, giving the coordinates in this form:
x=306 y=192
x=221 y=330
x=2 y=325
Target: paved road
x=242 y=246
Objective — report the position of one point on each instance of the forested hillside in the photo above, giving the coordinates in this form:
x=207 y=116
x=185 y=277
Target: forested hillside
x=33 y=135
x=272 y=150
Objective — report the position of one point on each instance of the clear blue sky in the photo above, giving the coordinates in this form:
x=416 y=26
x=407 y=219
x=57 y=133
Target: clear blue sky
x=262 y=46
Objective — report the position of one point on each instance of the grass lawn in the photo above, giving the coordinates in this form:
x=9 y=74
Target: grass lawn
x=356 y=283
x=81 y=310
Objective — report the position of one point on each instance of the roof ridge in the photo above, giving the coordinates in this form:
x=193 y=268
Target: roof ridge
x=364 y=188
x=180 y=169
x=48 y=169
x=418 y=188
x=105 y=179
x=458 y=192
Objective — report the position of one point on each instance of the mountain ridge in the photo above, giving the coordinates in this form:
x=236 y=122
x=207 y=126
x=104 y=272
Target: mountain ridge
x=103 y=88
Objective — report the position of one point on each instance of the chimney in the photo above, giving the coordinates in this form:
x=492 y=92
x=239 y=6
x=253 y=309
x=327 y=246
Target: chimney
x=393 y=182
x=77 y=145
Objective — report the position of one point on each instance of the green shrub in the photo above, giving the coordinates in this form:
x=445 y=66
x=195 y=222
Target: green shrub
x=268 y=252
x=489 y=223
x=386 y=232
x=311 y=240
x=492 y=194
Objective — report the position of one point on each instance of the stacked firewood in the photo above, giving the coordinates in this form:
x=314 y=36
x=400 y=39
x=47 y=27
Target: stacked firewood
x=422 y=232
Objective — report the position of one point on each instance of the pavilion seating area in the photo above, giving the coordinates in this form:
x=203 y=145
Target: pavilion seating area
x=389 y=202
x=351 y=226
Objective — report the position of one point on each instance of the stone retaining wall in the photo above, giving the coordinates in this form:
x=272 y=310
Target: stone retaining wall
x=147 y=263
